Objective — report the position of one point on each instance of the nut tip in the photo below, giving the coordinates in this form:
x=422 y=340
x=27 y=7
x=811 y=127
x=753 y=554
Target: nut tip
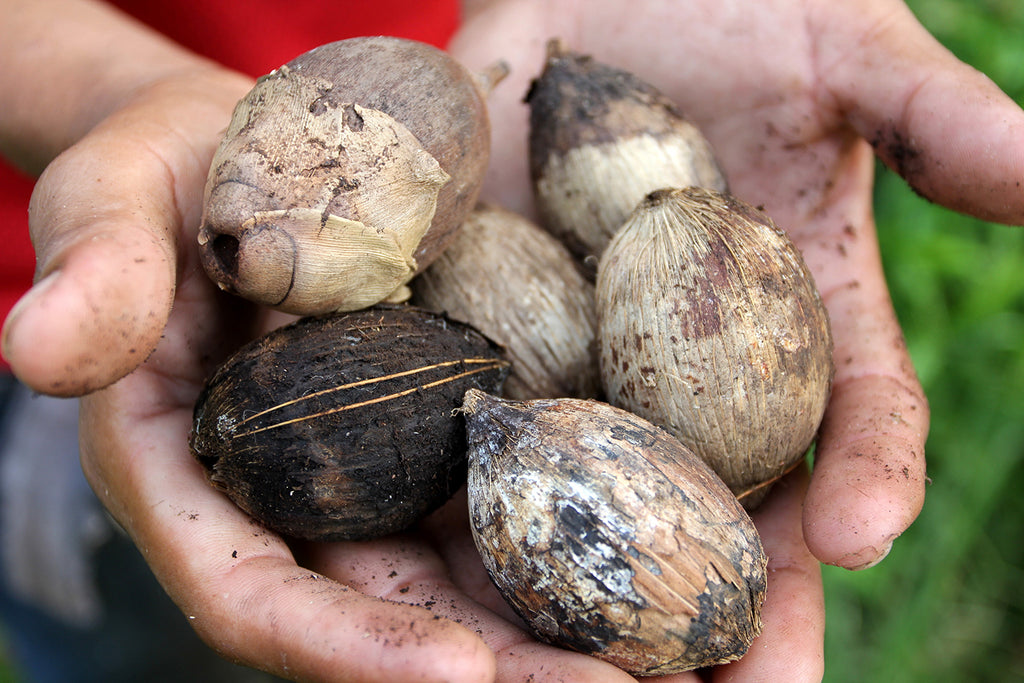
x=472 y=399
x=491 y=76
x=556 y=48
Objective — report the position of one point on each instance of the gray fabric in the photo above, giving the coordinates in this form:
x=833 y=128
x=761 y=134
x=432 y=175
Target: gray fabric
x=77 y=600
x=50 y=521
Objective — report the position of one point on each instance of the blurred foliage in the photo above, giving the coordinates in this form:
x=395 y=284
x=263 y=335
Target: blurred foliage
x=947 y=604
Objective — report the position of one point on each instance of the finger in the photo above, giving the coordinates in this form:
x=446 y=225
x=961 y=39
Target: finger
x=106 y=219
x=871 y=483
x=407 y=570
x=876 y=420
x=791 y=644
x=869 y=473
x=945 y=127
x=238 y=584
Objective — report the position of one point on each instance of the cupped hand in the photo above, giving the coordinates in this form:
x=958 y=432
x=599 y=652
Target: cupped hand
x=115 y=218
x=796 y=98
x=793 y=95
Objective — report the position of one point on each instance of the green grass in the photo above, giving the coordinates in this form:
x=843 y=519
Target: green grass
x=947 y=604
x=8 y=673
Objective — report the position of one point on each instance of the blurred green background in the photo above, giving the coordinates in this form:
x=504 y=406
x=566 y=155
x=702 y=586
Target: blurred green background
x=948 y=602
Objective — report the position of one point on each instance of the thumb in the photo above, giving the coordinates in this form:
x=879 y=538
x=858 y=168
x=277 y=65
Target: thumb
x=112 y=220
x=952 y=134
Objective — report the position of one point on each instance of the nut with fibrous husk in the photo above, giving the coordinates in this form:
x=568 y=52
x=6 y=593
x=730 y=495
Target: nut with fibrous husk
x=344 y=426
x=610 y=537
x=520 y=286
x=600 y=139
x=343 y=173
x=710 y=325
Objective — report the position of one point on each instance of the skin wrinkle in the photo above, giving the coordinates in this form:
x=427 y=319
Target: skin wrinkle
x=130 y=96
x=180 y=387
x=903 y=122
x=191 y=158
x=867 y=435
x=874 y=555
x=248 y=572
x=883 y=139
x=276 y=637
x=854 y=48
x=828 y=293
x=903 y=428
x=821 y=224
x=67 y=239
x=914 y=391
x=815 y=92
x=903 y=376
x=172 y=243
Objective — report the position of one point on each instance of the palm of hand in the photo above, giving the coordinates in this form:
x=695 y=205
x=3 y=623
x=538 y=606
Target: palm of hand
x=287 y=607
x=780 y=149
x=773 y=86
x=222 y=569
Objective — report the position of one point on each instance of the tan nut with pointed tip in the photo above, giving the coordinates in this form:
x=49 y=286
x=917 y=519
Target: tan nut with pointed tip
x=516 y=283
x=710 y=326
x=344 y=173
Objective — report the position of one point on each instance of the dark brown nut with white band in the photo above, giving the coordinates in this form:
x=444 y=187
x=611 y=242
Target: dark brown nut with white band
x=600 y=139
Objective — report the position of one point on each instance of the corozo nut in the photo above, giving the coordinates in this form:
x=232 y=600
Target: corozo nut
x=600 y=139
x=710 y=325
x=520 y=286
x=609 y=537
x=343 y=173
x=344 y=426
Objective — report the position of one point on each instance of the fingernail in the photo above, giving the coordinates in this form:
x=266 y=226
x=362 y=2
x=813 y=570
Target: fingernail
x=27 y=299
x=879 y=555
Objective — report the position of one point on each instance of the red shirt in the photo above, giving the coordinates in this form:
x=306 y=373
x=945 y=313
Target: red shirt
x=254 y=36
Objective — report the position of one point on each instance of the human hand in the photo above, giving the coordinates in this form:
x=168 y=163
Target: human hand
x=114 y=220
x=377 y=611
x=795 y=97
x=795 y=153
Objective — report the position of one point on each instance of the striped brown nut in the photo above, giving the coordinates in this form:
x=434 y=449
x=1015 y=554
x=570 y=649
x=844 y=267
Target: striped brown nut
x=517 y=284
x=344 y=426
x=710 y=326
